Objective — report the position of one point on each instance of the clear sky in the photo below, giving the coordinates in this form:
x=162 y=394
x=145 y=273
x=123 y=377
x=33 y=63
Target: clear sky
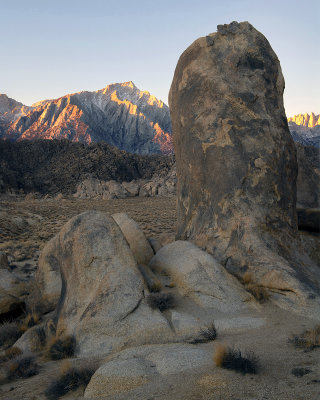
x=51 y=48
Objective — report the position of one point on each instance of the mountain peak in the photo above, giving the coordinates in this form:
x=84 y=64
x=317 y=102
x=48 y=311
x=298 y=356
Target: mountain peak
x=306 y=120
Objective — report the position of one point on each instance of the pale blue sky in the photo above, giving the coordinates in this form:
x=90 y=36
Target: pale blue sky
x=51 y=48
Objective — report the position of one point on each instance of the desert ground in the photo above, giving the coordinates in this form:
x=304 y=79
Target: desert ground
x=285 y=372
x=26 y=226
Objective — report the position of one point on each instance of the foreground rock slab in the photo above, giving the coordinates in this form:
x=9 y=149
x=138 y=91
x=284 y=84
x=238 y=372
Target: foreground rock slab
x=137 y=367
x=236 y=163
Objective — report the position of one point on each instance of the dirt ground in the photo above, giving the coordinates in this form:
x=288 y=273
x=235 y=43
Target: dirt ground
x=26 y=226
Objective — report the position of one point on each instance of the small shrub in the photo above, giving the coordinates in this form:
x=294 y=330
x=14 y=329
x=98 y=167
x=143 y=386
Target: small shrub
x=69 y=380
x=247 y=278
x=308 y=340
x=298 y=372
x=206 y=334
x=41 y=333
x=62 y=348
x=258 y=292
x=162 y=301
x=9 y=333
x=209 y=333
x=156 y=286
x=31 y=320
x=10 y=353
x=22 y=367
x=226 y=357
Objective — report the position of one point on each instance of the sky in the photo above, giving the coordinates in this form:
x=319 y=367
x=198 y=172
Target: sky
x=52 y=48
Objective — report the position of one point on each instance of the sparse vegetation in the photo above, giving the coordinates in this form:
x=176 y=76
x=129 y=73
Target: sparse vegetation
x=69 y=380
x=22 y=367
x=260 y=293
x=9 y=333
x=206 y=334
x=308 y=340
x=156 y=286
x=10 y=353
x=41 y=333
x=62 y=348
x=162 y=301
x=229 y=358
x=298 y=372
x=30 y=320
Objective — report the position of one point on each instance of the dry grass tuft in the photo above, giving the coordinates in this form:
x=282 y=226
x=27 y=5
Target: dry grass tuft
x=206 y=334
x=62 y=348
x=260 y=293
x=22 y=367
x=229 y=358
x=308 y=340
x=220 y=355
x=70 y=379
x=247 y=278
x=9 y=333
x=10 y=353
x=30 y=320
x=156 y=286
x=161 y=301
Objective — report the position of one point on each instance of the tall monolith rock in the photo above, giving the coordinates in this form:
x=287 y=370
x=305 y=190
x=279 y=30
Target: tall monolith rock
x=236 y=161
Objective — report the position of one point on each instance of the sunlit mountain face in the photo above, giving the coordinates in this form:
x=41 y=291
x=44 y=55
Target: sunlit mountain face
x=305 y=129
x=306 y=120
x=120 y=114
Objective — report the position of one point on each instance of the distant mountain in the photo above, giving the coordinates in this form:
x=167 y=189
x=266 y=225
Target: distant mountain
x=120 y=114
x=305 y=129
x=306 y=120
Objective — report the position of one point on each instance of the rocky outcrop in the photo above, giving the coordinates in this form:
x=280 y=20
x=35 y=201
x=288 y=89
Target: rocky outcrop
x=102 y=299
x=197 y=275
x=138 y=243
x=236 y=162
x=140 y=371
x=48 y=278
x=120 y=114
x=59 y=166
x=13 y=292
x=158 y=185
x=308 y=181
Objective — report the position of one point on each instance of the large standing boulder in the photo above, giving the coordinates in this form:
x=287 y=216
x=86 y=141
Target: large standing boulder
x=102 y=297
x=236 y=162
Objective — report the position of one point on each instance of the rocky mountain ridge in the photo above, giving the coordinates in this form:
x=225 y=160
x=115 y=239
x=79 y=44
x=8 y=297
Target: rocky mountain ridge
x=120 y=114
x=306 y=120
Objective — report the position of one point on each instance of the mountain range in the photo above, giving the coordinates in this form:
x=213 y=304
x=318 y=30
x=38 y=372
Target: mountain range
x=305 y=129
x=119 y=114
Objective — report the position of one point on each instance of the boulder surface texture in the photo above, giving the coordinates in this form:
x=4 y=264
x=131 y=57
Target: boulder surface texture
x=102 y=296
x=236 y=160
